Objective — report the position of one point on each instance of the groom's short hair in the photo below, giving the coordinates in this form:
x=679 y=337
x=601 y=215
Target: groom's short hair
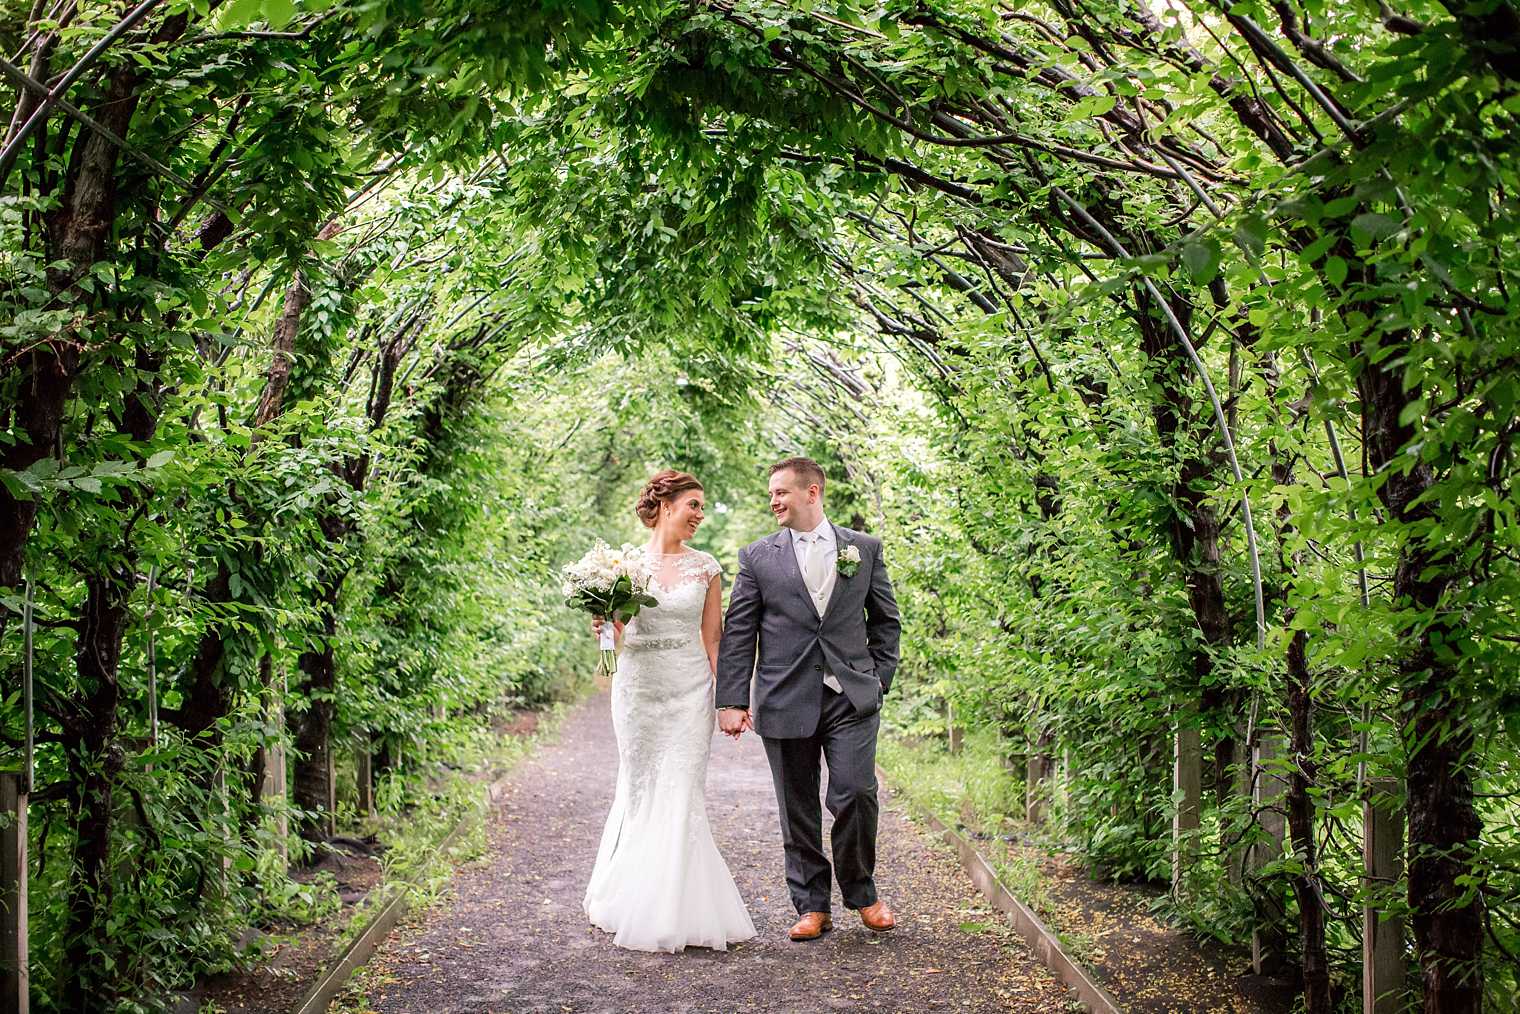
x=808 y=470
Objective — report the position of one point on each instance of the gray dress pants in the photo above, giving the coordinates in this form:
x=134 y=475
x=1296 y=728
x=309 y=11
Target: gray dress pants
x=847 y=741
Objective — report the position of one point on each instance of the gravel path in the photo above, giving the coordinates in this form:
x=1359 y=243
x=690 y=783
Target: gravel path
x=513 y=939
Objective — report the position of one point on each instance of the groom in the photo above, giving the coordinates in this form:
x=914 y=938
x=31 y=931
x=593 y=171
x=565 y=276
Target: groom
x=815 y=603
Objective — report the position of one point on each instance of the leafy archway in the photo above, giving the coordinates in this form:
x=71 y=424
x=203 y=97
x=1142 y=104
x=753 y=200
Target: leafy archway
x=311 y=303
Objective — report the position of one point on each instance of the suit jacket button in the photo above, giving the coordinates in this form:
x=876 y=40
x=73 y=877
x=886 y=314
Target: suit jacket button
x=818 y=668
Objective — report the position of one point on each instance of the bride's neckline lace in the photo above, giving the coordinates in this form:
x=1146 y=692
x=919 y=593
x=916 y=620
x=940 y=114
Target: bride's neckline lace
x=670 y=571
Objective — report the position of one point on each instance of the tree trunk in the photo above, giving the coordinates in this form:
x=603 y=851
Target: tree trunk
x=1194 y=529
x=94 y=764
x=209 y=695
x=76 y=232
x=1302 y=770
x=282 y=361
x=1300 y=806
x=311 y=729
x=1444 y=826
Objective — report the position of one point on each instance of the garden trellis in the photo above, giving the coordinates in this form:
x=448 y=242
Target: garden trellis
x=1169 y=347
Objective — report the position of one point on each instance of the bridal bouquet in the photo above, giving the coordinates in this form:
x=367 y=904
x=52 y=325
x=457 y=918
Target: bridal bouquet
x=613 y=584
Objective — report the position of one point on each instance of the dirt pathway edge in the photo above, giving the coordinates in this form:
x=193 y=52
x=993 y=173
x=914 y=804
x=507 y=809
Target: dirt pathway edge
x=1042 y=942
x=364 y=946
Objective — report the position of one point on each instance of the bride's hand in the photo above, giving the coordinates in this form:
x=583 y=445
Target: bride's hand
x=596 y=627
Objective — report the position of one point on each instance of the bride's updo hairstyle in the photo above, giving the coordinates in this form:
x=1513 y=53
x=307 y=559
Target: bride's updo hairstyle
x=662 y=488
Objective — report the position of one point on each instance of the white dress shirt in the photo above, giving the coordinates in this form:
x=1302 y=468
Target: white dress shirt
x=820 y=543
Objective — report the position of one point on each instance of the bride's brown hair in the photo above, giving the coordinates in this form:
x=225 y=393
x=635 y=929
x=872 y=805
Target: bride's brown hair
x=662 y=488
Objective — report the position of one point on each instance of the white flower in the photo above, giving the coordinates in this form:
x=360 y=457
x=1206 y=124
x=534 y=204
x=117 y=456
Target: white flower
x=851 y=554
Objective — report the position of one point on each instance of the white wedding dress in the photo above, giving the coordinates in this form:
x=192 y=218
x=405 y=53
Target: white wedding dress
x=659 y=882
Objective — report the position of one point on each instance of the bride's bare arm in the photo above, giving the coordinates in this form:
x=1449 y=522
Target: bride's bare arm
x=712 y=621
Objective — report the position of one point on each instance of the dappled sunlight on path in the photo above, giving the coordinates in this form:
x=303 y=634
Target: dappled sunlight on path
x=512 y=937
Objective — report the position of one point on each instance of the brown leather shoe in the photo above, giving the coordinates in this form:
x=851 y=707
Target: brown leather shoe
x=811 y=926
x=878 y=918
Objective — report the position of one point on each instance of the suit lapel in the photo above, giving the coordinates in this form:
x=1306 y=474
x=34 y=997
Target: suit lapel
x=841 y=540
x=788 y=564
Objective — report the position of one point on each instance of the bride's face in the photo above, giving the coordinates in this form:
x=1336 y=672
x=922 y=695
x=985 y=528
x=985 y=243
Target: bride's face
x=683 y=514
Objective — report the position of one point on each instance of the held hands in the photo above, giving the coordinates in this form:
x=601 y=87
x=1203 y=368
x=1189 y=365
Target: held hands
x=734 y=721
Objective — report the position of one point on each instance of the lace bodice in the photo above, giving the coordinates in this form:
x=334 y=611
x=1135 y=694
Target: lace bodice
x=680 y=587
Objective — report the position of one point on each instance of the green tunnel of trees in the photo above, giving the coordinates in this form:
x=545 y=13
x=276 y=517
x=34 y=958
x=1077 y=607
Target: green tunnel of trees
x=1170 y=347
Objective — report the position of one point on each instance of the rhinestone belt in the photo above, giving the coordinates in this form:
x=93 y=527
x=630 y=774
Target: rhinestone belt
x=657 y=643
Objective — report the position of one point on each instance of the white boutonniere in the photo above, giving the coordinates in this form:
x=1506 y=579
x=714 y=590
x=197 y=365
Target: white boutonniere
x=848 y=561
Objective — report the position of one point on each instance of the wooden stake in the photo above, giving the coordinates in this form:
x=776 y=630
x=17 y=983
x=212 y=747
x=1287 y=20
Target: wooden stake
x=330 y=809
x=1187 y=780
x=1037 y=778
x=364 y=776
x=1063 y=781
x=1267 y=788
x=273 y=789
x=223 y=818
x=1382 y=935
x=15 y=987
x=1034 y=787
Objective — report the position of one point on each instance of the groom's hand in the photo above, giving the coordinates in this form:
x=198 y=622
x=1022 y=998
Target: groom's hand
x=734 y=721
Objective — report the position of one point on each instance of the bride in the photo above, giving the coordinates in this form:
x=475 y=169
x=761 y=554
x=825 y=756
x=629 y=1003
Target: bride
x=659 y=882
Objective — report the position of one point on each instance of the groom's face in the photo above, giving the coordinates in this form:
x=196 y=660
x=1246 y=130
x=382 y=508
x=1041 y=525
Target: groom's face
x=794 y=504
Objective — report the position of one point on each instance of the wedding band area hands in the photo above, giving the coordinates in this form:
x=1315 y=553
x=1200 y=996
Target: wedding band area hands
x=804 y=657
x=734 y=722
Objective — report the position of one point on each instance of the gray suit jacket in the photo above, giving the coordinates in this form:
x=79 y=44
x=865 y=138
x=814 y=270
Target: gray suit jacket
x=773 y=631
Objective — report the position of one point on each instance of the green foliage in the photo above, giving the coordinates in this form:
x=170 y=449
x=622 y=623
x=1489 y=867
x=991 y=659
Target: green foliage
x=424 y=295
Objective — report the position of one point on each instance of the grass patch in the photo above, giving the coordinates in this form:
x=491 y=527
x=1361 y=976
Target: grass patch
x=972 y=790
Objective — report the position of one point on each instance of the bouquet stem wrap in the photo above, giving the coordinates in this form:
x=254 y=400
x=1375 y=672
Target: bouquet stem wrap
x=613 y=584
x=607 y=663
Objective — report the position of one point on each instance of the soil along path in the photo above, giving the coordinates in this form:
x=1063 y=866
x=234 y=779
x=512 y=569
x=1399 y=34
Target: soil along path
x=512 y=938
